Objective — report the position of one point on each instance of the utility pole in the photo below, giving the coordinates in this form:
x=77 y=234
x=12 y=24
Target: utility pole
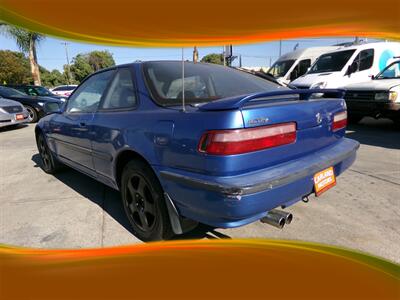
x=223 y=54
x=68 y=68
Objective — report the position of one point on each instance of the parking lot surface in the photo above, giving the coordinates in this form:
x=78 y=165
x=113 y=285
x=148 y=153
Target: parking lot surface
x=70 y=210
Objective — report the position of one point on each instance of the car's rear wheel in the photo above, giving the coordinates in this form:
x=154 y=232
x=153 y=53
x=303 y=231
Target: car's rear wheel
x=144 y=203
x=49 y=164
x=32 y=114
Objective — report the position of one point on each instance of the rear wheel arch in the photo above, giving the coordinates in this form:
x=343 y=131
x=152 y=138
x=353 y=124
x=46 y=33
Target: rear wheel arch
x=125 y=157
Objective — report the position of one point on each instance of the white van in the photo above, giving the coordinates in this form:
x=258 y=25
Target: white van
x=348 y=65
x=296 y=63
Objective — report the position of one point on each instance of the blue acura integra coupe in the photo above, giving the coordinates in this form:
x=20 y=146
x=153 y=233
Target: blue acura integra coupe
x=220 y=147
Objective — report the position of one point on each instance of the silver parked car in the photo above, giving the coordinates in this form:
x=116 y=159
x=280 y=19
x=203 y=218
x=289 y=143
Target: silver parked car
x=12 y=113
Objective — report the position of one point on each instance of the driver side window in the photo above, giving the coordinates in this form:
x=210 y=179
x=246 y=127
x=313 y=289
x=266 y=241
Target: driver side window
x=364 y=60
x=87 y=97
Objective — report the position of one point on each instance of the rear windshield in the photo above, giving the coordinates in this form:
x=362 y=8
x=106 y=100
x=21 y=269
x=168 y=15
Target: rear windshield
x=331 y=62
x=280 y=68
x=203 y=82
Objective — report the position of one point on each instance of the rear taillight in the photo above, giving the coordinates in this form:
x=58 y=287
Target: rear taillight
x=339 y=121
x=226 y=142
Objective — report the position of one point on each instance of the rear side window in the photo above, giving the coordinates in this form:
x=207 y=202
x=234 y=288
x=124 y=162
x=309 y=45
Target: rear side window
x=121 y=93
x=364 y=59
x=87 y=97
x=32 y=92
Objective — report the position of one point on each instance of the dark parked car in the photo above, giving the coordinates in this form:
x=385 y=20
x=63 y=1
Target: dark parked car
x=239 y=147
x=33 y=104
x=36 y=90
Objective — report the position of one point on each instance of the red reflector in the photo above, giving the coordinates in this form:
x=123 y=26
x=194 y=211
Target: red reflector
x=226 y=142
x=339 y=121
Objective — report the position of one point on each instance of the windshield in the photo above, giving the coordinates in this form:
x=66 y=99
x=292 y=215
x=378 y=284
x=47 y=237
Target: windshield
x=203 y=82
x=392 y=71
x=9 y=92
x=331 y=62
x=280 y=68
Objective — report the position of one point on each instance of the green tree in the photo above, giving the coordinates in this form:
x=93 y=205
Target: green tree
x=85 y=64
x=213 y=58
x=14 y=68
x=53 y=78
x=26 y=41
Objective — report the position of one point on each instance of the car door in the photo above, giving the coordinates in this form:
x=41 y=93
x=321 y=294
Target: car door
x=114 y=114
x=72 y=131
x=361 y=67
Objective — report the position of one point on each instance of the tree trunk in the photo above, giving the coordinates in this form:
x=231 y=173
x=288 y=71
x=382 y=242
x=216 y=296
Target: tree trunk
x=33 y=62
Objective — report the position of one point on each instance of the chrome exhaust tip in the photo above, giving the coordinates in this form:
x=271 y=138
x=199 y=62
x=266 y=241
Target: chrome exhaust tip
x=274 y=219
x=288 y=216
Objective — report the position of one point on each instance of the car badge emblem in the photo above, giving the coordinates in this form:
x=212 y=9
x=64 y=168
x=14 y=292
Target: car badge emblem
x=258 y=121
x=319 y=118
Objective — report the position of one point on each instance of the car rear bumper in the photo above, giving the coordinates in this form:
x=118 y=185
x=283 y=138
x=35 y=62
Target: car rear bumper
x=8 y=120
x=237 y=200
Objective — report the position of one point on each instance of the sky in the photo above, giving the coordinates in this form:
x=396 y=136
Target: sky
x=51 y=51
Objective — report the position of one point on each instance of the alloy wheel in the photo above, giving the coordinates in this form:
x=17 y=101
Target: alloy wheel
x=44 y=153
x=31 y=114
x=140 y=203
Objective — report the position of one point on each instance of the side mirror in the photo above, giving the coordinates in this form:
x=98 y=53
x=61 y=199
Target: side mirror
x=352 y=68
x=52 y=108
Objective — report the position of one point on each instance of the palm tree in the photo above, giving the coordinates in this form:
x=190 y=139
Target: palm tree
x=26 y=41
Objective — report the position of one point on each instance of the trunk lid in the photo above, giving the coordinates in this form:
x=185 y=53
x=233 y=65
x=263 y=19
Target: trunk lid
x=306 y=114
x=313 y=118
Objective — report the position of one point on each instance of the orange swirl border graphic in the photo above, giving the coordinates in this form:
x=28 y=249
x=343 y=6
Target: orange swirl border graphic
x=199 y=269
x=176 y=23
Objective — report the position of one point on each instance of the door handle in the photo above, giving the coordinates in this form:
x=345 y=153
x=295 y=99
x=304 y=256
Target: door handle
x=82 y=124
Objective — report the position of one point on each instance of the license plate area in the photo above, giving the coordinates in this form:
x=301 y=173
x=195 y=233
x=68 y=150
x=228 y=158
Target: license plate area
x=19 y=117
x=324 y=180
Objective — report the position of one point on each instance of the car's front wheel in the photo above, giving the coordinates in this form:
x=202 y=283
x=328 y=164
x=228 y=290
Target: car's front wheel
x=144 y=203
x=32 y=114
x=49 y=163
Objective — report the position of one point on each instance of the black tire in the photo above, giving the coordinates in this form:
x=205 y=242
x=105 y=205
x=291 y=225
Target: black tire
x=33 y=115
x=354 y=119
x=49 y=163
x=144 y=203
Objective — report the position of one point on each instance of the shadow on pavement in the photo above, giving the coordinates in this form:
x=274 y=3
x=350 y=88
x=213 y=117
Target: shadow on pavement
x=100 y=194
x=109 y=200
x=13 y=127
x=381 y=133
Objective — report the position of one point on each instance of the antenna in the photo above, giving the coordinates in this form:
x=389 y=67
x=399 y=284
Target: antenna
x=183 y=81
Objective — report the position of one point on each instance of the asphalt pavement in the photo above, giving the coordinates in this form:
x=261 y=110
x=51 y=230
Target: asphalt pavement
x=71 y=210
